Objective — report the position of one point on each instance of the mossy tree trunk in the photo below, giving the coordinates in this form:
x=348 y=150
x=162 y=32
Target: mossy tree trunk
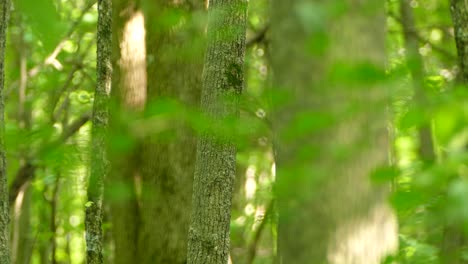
x=459 y=11
x=329 y=210
x=223 y=81
x=4 y=204
x=99 y=161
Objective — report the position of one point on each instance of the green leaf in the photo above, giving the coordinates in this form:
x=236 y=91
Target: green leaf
x=384 y=174
x=44 y=20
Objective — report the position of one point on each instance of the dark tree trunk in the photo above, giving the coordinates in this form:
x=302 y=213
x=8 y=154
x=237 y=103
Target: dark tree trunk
x=223 y=80
x=415 y=64
x=453 y=234
x=99 y=161
x=4 y=204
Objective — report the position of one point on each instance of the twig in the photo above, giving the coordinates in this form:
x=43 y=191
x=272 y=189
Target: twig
x=51 y=59
x=423 y=40
x=259 y=37
x=26 y=172
x=252 y=250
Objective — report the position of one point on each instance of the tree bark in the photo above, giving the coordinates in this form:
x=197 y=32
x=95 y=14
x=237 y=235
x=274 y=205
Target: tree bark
x=175 y=59
x=99 y=161
x=223 y=81
x=453 y=238
x=415 y=64
x=330 y=128
x=459 y=11
x=4 y=205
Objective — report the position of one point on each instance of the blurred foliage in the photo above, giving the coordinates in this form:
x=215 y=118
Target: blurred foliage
x=59 y=91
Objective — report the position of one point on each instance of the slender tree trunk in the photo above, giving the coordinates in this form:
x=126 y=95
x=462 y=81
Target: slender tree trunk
x=416 y=66
x=99 y=163
x=223 y=81
x=4 y=207
x=459 y=10
x=453 y=237
x=53 y=219
x=129 y=96
x=329 y=210
x=175 y=59
x=22 y=240
x=21 y=237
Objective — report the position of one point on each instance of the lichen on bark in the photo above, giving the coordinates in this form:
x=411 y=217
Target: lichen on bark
x=223 y=80
x=99 y=161
x=4 y=205
x=459 y=11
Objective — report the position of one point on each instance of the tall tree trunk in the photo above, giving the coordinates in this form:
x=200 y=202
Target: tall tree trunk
x=22 y=240
x=53 y=202
x=99 y=162
x=129 y=95
x=223 y=81
x=330 y=131
x=453 y=237
x=174 y=73
x=4 y=207
x=416 y=66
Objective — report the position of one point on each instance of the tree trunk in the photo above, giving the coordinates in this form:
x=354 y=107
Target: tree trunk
x=223 y=80
x=22 y=237
x=174 y=72
x=4 y=207
x=330 y=131
x=128 y=99
x=459 y=10
x=22 y=241
x=453 y=237
x=99 y=162
x=415 y=64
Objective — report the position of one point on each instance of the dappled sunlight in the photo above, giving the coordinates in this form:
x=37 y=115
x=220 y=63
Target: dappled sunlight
x=365 y=240
x=133 y=62
x=250 y=183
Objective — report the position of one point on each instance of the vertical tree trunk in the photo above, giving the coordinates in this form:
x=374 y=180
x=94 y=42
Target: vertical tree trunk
x=53 y=219
x=223 y=80
x=453 y=237
x=22 y=240
x=175 y=59
x=21 y=237
x=415 y=64
x=4 y=207
x=330 y=131
x=459 y=10
x=99 y=162
x=129 y=96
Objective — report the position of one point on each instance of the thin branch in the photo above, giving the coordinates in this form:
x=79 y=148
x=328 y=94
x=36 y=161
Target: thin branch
x=26 y=172
x=78 y=66
x=252 y=250
x=258 y=38
x=423 y=40
x=52 y=58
